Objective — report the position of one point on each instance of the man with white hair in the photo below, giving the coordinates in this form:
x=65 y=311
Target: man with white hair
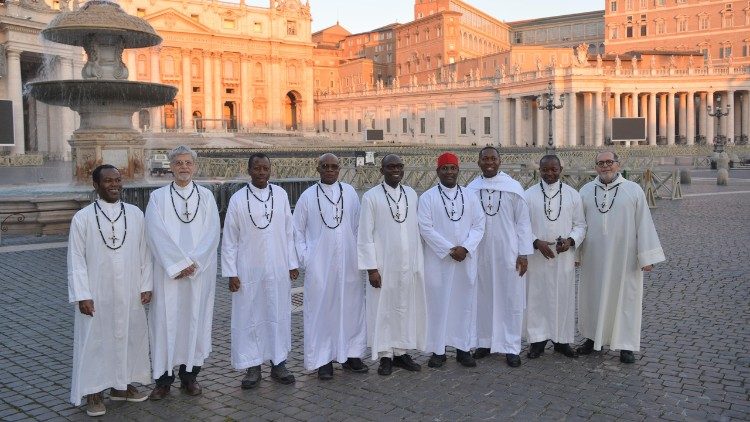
x=182 y=228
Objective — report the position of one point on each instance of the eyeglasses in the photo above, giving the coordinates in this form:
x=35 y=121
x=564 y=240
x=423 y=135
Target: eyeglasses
x=606 y=163
x=180 y=163
x=329 y=166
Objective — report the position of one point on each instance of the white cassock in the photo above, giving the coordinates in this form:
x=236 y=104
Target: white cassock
x=620 y=240
x=551 y=283
x=258 y=248
x=501 y=291
x=450 y=286
x=110 y=349
x=334 y=305
x=181 y=311
x=396 y=311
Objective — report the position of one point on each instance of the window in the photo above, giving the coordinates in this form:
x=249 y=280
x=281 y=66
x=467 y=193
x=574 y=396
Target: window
x=259 y=72
x=746 y=49
x=422 y=125
x=140 y=12
x=196 y=89
x=661 y=27
x=291 y=28
x=682 y=24
x=323 y=125
x=644 y=31
x=727 y=20
x=388 y=125
x=346 y=125
x=644 y=4
x=487 y=125
x=334 y=125
x=442 y=125
x=257 y=27
x=703 y=22
x=629 y=32
x=229 y=90
x=725 y=52
x=613 y=6
x=463 y=126
x=613 y=33
x=628 y=4
x=194 y=17
x=359 y=125
x=229 y=24
x=404 y=125
x=660 y=2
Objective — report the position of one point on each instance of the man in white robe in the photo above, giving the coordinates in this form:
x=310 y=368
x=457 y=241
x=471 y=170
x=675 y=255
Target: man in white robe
x=557 y=225
x=502 y=260
x=109 y=279
x=182 y=228
x=390 y=249
x=621 y=243
x=258 y=257
x=451 y=223
x=326 y=217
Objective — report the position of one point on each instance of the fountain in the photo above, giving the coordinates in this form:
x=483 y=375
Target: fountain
x=104 y=98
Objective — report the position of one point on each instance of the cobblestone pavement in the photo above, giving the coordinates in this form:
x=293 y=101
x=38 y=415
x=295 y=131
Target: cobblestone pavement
x=694 y=363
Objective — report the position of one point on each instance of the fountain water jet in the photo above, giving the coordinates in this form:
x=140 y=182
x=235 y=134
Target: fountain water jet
x=104 y=98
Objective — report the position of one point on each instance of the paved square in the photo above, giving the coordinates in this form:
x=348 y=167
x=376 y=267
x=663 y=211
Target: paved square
x=694 y=362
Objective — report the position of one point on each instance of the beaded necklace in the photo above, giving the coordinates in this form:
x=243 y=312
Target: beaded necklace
x=187 y=212
x=397 y=216
x=266 y=214
x=488 y=208
x=603 y=208
x=548 y=202
x=452 y=212
x=339 y=204
x=114 y=238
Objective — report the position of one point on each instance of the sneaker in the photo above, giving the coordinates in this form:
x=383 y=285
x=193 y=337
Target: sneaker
x=129 y=394
x=95 y=405
x=280 y=374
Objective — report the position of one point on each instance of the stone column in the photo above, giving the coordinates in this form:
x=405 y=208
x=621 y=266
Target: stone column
x=599 y=119
x=643 y=108
x=652 y=118
x=745 y=118
x=670 y=118
x=187 y=91
x=67 y=122
x=558 y=123
x=504 y=122
x=276 y=96
x=571 y=107
x=517 y=129
x=15 y=94
x=730 y=117
x=683 y=114
x=156 y=112
x=702 y=114
x=246 y=102
x=710 y=121
x=690 y=135
x=208 y=89
x=634 y=104
x=541 y=128
x=218 y=90
x=663 y=115
x=618 y=104
x=588 y=119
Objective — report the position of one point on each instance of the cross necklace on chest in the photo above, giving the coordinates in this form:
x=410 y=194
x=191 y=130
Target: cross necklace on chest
x=112 y=222
x=548 y=202
x=265 y=202
x=389 y=199
x=452 y=213
x=338 y=214
x=187 y=213
x=603 y=207
x=489 y=208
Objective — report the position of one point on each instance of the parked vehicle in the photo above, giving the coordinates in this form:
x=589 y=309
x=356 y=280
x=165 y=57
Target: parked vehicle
x=158 y=164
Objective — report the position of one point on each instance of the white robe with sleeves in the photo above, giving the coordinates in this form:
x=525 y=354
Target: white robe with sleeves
x=110 y=349
x=551 y=283
x=502 y=292
x=451 y=286
x=396 y=314
x=619 y=242
x=182 y=310
x=334 y=305
x=261 y=259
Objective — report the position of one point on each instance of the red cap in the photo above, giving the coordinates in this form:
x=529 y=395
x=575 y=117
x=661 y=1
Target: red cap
x=447 y=158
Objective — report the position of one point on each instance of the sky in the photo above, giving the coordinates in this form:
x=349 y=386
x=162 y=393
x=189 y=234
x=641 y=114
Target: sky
x=365 y=15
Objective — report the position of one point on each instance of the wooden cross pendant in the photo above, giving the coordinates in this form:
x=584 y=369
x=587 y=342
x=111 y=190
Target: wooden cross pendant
x=114 y=238
x=186 y=213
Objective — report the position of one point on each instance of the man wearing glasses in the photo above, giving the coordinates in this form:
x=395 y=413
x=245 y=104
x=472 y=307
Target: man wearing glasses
x=621 y=243
x=182 y=228
x=326 y=220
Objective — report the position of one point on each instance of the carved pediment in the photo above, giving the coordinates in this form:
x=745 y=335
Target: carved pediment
x=174 y=21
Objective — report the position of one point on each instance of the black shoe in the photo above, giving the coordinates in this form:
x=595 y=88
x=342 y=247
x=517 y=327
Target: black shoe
x=280 y=374
x=325 y=372
x=386 y=366
x=586 y=348
x=252 y=378
x=481 y=352
x=627 y=356
x=536 y=349
x=355 y=365
x=436 y=361
x=514 y=361
x=566 y=350
x=465 y=359
x=404 y=361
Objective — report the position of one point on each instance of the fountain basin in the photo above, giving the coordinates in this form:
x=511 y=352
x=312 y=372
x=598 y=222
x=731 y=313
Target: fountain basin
x=101 y=93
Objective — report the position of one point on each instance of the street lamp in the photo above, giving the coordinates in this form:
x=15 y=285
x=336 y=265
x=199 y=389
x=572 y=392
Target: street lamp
x=550 y=106
x=718 y=139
